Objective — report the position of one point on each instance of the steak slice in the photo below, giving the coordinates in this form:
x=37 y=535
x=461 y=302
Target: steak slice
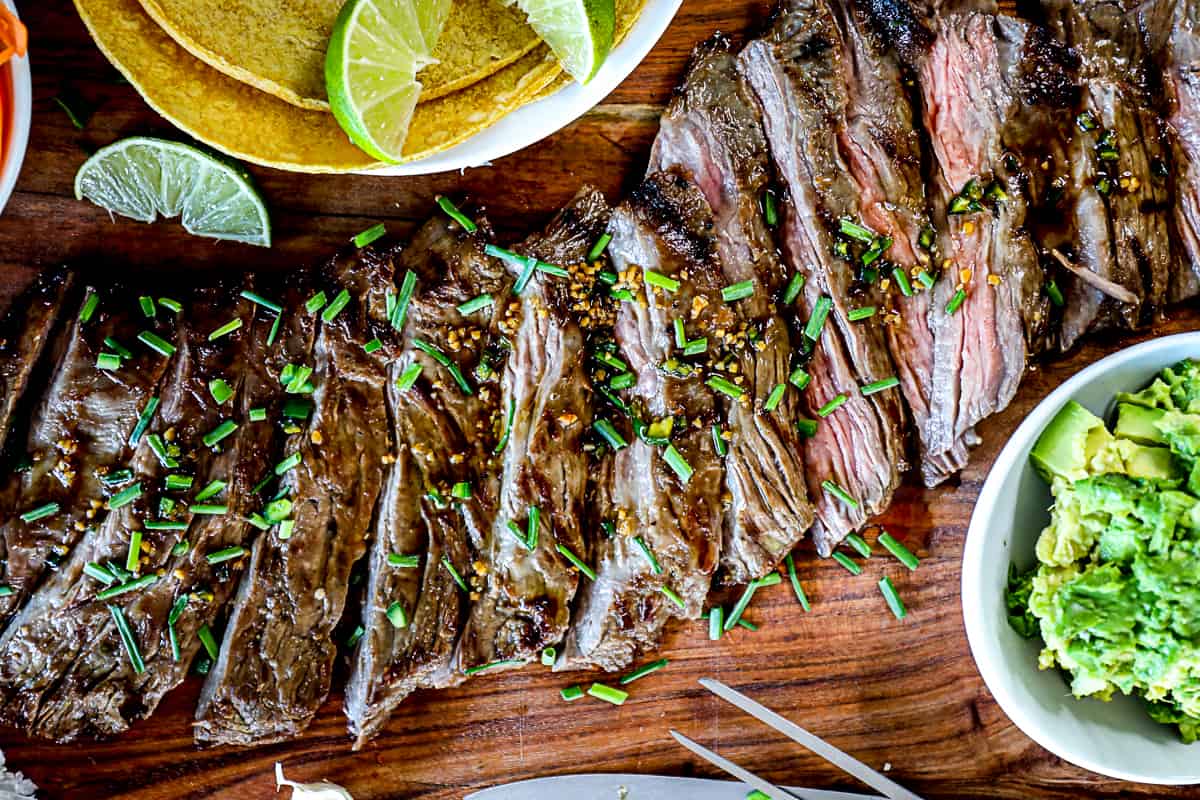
x=798 y=76
x=276 y=658
x=712 y=131
x=81 y=678
x=444 y=436
x=524 y=605
x=24 y=333
x=79 y=436
x=666 y=537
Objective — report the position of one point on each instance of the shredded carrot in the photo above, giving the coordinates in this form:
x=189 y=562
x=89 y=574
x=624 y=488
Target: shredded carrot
x=14 y=38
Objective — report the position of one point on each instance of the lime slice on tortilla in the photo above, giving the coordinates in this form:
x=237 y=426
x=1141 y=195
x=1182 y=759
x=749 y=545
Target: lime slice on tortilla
x=580 y=32
x=371 y=66
x=144 y=178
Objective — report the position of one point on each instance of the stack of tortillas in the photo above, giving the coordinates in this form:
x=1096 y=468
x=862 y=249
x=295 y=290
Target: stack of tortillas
x=246 y=76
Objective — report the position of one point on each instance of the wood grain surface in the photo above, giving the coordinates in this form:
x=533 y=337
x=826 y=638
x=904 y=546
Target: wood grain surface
x=900 y=693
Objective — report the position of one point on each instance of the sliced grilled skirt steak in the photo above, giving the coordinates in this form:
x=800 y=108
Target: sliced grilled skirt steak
x=276 y=658
x=713 y=133
x=79 y=437
x=424 y=530
x=665 y=544
x=798 y=76
x=525 y=603
x=88 y=679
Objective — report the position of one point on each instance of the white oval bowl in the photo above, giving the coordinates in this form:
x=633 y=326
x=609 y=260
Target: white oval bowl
x=536 y=121
x=1117 y=738
x=16 y=71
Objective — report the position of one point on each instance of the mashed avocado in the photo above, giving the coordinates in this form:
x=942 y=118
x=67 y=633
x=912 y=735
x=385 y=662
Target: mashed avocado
x=1116 y=593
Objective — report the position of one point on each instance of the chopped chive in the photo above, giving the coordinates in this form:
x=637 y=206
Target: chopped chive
x=880 y=385
x=408 y=285
x=335 y=306
x=741 y=605
x=621 y=294
x=831 y=406
x=176 y=483
x=796 y=587
x=99 y=572
x=220 y=432
x=315 y=303
x=531 y=529
x=622 y=381
x=273 y=334
x=838 y=492
x=893 y=598
x=549 y=654
x=452 y=211
x=696 y=346
x=116 y=477
x=673 y=596
x=258 y=521
x=859 y=544
x=207 y=508
x=792 y=290
x=285 y=529
x=156 y=343
x=403 y=561
x=226 y=329
x=817 y=321
x=855 y=231
x=956 y=301
x=902 y=553
x=41 y=512
x=159 y=448
x=858 y=314
x=926 y=279
x=508 y=423
x=775 y=397
x=678 y=463
x=408 y=377
x=660 y=281
x=515 y=529
x=551 y=269
x=747 y=624
x=127 y=639
x=719 y=443
x=770 y=579
x=847 y=562
x=475 y=304
x=571 y=693
x=166 y=506
x=259 y=300
x=372 y=233
x=605 y=428
x=1054 y=293
x=461 y=490
x=171 y=305
x=277 y=510
x=117 y=347
x=655 y=567
x=219 y=390
x=508 y=662
x=566 y=553
x=717 y=383
x=680 y=333
x=125 y=496
x=799 y=378
x=599 y=247
x=355 y=636
x=738 y=291
x=129 y=586
x=454 y=573
x=258 y=414
x=608 y=694
x=212 y=490
x=529 y=266
x=180 y=547
x=148 y=307
x=877 y=249
x=716 y=622
x=902 y=281
x=445 y=361
x=397 y=615
x=643 y=671
x=291 y=462
x=161 y=525
x=89 y=306
x=7 y=591
x=769 y=209
x=606 y=277
x=225 y=554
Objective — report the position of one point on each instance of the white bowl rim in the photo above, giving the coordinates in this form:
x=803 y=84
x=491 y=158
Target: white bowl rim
x=971 y=590
x=22 y=94
x=534 y=122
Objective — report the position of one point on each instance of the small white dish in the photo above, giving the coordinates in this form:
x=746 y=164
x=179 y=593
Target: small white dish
x=536 y=121
x=15 y=77
x=1117 y=738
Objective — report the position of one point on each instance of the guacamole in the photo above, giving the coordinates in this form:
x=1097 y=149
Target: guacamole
x=1115 y=595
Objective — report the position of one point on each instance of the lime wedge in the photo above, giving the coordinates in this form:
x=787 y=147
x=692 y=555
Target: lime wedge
x=144 y=178
x=580 y=32
x=371 y=66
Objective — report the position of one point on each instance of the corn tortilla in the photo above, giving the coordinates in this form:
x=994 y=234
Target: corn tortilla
x=246 y=123
x=278 y=46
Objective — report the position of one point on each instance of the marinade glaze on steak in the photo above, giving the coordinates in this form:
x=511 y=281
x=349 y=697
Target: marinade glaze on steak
x=798 y=76
x=276 y=659
x=79 y=433
x=83 y=678
x=444 y=436
x=524 y=604
x=665 y=537
x=712 y=131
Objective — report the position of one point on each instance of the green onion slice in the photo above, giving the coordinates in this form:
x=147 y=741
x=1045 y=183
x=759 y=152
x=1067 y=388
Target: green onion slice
x=657 y=279
x=796 y=587
x=335 y=306
x=831 y=406
x=608 y=694
x=738 y=291
x=817 y=321
x=848 y=563
x=156 y=343
x=226 y=329
x=372 y=233
x=599 y=247
x=893 y=598
x=902 y=553
x=127 y=639
x=643 y=671
x=880 y=385
x=775 y=397
x=259 y=300
x=838 y=492
x=452 y=211
x=440 y=357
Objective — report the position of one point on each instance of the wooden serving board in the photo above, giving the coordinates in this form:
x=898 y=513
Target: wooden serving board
x=900 y=693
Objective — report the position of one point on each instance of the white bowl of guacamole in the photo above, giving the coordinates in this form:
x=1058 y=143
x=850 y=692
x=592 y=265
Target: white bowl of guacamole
x=1115 y=598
